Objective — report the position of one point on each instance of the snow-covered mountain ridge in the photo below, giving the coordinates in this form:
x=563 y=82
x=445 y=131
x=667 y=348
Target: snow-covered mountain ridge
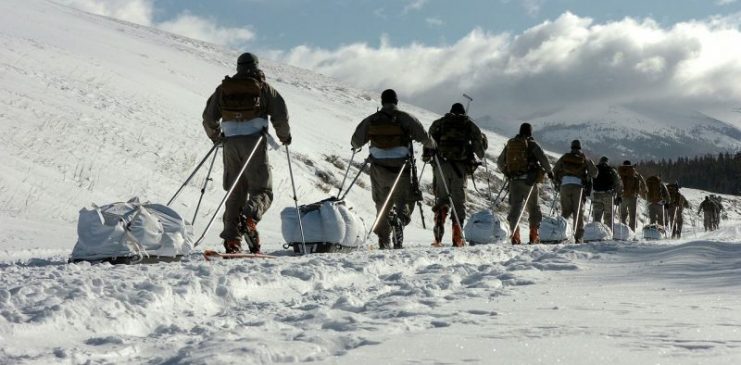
x=632 y=132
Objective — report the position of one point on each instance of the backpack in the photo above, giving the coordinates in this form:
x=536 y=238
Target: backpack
x=605 y=180
x=516 y=157
x=386 y=132
x=653 y=184
x=240 y=97
x=454 y=141
x=630 y=180
x=574 y=164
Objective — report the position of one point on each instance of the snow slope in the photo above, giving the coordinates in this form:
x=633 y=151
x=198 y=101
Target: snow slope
x=97 y=110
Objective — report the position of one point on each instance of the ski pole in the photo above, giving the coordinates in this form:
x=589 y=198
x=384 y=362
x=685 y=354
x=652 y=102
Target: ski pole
x=203 y=189
x=577 y=214
x=495 y=203
x=231 y=189
x=450 y=197
x=555 y=199
x=213 y=148
x=488 y=179
x=352 y=183
x=295 y=201
x=386 y=202
x=349 y=164
x=522 y=211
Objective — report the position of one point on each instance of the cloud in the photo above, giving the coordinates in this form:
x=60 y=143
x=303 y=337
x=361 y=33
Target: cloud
x=564 y=63
x=414 y=5
x=205 y=30
x=186 y=24
x=532 y=7
x=725 y=2
x=434 y=22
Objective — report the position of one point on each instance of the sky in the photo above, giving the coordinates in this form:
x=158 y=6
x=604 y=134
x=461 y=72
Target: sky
x=525 y=57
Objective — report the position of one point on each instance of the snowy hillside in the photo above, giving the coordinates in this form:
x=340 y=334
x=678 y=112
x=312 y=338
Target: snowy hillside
x=96 y=110
x=631 y=132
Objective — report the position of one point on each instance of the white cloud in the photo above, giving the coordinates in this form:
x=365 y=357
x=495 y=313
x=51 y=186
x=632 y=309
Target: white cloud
x=414 y=5
x=532 y=7
x=725 y=2
x=557 y=64
x=186 y=24
x=434 y=22
x=205 y=30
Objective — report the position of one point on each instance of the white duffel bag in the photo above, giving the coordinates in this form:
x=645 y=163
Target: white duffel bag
x=653 y=232
x=327 y=223
x=621 y=232
x=131 y=232
x=555 y=230
x=596 y=231
x=484 y=227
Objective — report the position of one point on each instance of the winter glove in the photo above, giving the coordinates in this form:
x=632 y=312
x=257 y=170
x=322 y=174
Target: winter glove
x=427 y=154
x=286 y=141
x=618 y=200
x=218 y=139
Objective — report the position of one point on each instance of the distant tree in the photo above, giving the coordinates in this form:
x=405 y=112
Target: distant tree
x=716 y=173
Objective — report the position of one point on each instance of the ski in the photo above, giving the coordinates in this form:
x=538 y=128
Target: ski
x=211 y=254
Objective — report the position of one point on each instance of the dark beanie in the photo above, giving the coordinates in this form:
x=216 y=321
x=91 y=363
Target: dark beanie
x=526 y=130
x=575 y=144
x=603 y=159
x=247 y=61
x=627 y=163
x=388 y=96
x=457 y=108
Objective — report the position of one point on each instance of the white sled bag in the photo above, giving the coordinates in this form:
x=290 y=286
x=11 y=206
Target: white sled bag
x=555 y=229
x=328 y=221
x=621 y=232
x=596 y=231
x=484 y=227
x=131 y=229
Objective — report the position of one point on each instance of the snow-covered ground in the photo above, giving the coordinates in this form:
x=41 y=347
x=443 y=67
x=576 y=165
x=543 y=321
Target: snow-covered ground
x=97 y=110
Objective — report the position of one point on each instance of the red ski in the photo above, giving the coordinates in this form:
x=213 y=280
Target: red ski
x=211 y=254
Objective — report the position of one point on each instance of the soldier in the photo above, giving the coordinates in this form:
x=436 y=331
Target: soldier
x=458 y=139
x=708 y=209
x=717 y=211
x=633 y=187
x=607 y=189
x=390 y=132
x=657 y=196
x=243 y=103
x=573 y=172
x=676 y=206
x=523 y=162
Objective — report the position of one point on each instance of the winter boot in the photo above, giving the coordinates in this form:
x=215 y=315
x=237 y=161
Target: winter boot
x=233 y=246
x=397 y=230
x=384 y=243
x=534 y=236
x=439 y=229
x=458 y=236
x=516 y=237
x=248 y=228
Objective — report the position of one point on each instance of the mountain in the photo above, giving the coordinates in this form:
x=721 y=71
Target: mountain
x=629 y=132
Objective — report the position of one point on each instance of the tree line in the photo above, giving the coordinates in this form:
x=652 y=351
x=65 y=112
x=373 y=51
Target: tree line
x=719 y=173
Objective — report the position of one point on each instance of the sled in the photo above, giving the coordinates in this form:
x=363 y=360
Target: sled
x=555 y=230
x=654 y=232
x=483 y=227
x=211 y=254
x=621 y=232
x=596 y=232
x=329 y=226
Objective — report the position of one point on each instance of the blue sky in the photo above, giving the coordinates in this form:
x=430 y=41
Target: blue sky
x=284 y=24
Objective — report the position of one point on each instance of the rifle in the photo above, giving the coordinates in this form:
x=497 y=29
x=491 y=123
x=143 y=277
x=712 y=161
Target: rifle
x=416 y=191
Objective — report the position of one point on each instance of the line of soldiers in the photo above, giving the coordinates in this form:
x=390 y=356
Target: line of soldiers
x=711 y=207
x=236 y=116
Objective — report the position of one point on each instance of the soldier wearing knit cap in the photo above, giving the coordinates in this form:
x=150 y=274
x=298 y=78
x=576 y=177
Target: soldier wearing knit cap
x=606 y=192
x=573 y=171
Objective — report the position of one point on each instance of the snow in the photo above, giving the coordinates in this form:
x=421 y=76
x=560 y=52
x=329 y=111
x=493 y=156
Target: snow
x=97 y=110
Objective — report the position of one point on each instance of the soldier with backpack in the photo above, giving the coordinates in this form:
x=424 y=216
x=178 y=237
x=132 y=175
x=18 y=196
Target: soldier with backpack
x=606 y=192
x=676 y=206
x=523 y=162
x=657 y=196
x=633 y=186
x=573 y=172
x=708 y=208
x=458 y=140
x=390 y=132
x=236 y=115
